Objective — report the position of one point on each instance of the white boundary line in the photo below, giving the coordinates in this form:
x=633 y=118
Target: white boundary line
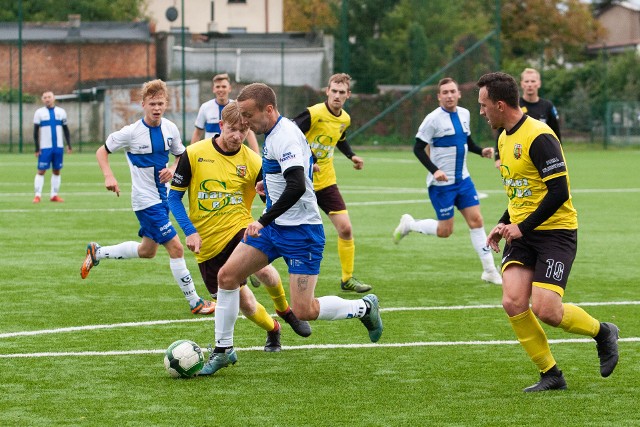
x=210 y=319
x=314 y=347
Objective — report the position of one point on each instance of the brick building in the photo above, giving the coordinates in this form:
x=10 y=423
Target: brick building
x=66 y=56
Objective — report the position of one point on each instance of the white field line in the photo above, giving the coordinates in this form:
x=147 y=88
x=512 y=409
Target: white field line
x=210 y=319
x=313 y=347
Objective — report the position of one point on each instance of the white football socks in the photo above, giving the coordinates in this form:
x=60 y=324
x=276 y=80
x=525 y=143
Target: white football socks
x=336 y=308
x=425 y=226
x=38 y=183
x=227 y=309
x=479 y=243
x=122 y=250
x=183 y=278
x=55 y=184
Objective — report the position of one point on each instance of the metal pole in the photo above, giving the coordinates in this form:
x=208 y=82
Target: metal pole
x=282 y=97
x=344 y=35
x=79 y=98
x=184 y=112
x=498 y=57
x=20 y=142
x=11 y=98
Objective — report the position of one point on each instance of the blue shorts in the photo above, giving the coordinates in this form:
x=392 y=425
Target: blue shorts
x=301 y=246
x=461 y=195
x=155 y=223
x=50 y=157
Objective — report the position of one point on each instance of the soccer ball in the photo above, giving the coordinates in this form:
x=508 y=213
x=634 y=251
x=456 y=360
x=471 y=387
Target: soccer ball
x=183 y=359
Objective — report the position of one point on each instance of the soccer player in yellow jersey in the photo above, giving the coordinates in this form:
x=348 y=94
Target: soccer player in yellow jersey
x=540 y=228
x=220 y=175
x=325 y=126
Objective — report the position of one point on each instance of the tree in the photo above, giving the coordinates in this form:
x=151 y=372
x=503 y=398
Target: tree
x=90 y=10
x=310 y=15
x=555 y=30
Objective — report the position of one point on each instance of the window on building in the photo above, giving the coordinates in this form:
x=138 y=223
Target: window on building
x=236 y=30
x=237 y=1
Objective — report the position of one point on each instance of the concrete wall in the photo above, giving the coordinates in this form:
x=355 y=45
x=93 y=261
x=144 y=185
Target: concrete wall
x=93 y=121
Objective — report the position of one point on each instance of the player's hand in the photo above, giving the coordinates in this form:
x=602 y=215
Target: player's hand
x=510 y=232
x=165 y=175
x=260 y=188
x=194 y=242
x=38 y=153
x=487 y=152
x=69 y=150
x=112 y=185
x=494 y=236
x=498 y=164
x=315 y=168
x=440 y=176
x=358 y=162
x=252 y=230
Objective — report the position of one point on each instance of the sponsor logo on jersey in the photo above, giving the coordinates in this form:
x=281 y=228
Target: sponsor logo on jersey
x=517 y=151
x=200 y=159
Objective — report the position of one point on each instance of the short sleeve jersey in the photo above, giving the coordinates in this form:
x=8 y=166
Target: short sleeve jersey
x=208 y=118
x=221 y=190
x=285 y=146
x=50 y=121
x=323 y=135
x=531 y=154
x=147 y=150
x=446 y=134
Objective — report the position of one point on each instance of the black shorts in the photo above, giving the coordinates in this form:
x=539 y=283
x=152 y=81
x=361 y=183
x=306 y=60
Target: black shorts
x=550 y=253
x=330 y=200
x=209 y=269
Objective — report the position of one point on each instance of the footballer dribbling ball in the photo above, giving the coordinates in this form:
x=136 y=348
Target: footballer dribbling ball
x=183 y=359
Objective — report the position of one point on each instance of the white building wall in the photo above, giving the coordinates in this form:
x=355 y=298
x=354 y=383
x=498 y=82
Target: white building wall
x=253 y=16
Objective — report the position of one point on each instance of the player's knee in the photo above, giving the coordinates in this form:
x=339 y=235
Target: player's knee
x=547 y=314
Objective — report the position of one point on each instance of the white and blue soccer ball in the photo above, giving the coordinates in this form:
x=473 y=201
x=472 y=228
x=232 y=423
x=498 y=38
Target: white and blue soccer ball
x=183 y=359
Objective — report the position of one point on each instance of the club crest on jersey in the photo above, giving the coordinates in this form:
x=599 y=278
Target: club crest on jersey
x=241 y=171
x=517 y=151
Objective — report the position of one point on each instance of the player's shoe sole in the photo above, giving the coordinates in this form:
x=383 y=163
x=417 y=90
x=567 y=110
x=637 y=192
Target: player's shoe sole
x=300 y=327
x=608 y=350
x=403 y=228
x=355 y=285
x=272 y=345
x=90 y=259
x=547 y=383
x=492 y=277
x=372 y=320
x=204 y=307
x=218 y=361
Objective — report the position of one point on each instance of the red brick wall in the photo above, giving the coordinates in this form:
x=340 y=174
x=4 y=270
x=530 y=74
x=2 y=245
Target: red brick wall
x=54 y=66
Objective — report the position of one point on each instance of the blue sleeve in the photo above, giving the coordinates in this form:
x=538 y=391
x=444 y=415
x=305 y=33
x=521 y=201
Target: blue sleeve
x=180 y=213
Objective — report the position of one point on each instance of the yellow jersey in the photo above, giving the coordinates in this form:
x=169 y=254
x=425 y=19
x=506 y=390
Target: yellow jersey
x=325 y=131
x=221 y=190
x=524 y=172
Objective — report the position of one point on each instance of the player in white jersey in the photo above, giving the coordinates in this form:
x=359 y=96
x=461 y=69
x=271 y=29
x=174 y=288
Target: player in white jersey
x=49 y=127
x=210 y=113
x=447 y=133
x=147 y=144
x=290 y=227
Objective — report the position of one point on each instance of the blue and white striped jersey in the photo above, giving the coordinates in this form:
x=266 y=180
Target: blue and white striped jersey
x=50 y=121
x=286 y=146
x=447 y=133
x=147 y=149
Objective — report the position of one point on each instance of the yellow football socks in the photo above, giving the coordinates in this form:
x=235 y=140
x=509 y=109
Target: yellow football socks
x=533 y=339
x=278 y=296
x=578 y=321
x=347 y=255
x=262 y=318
